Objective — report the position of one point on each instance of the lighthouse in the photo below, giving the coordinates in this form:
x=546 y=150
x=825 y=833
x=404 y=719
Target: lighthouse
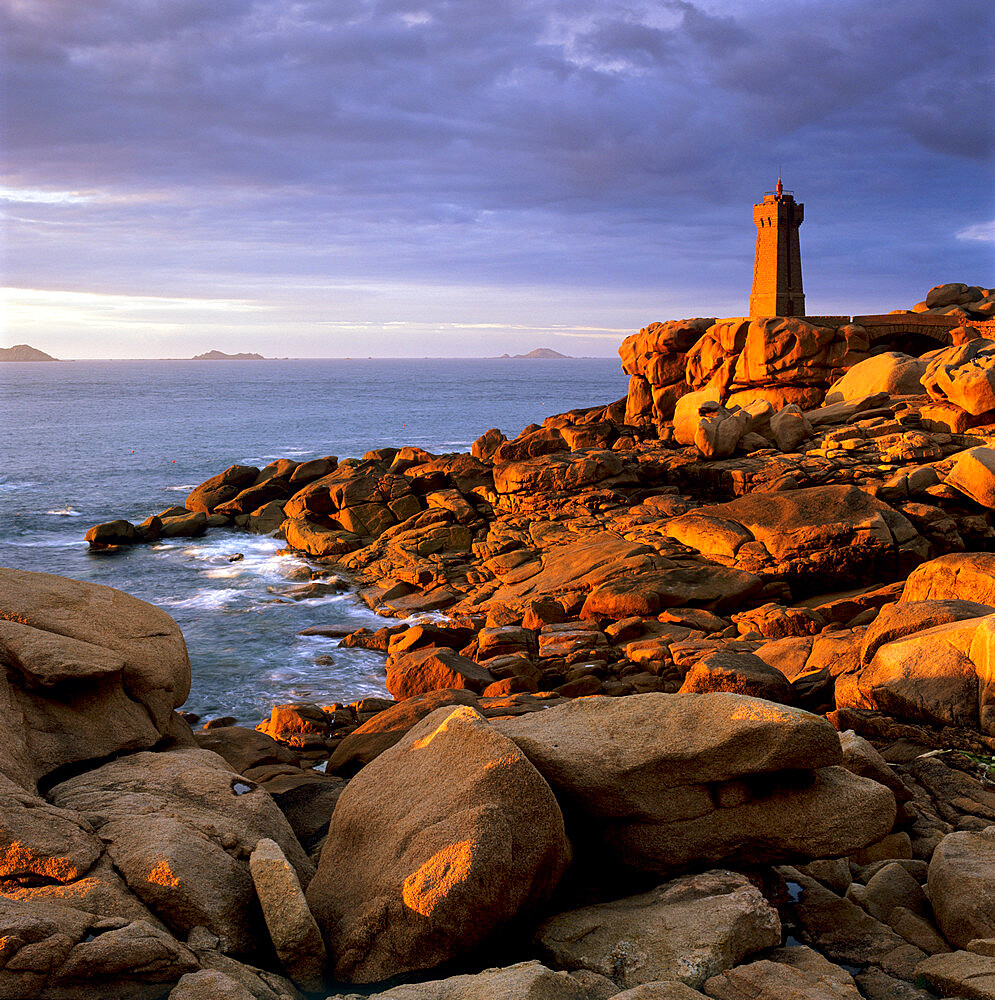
x=777 y=266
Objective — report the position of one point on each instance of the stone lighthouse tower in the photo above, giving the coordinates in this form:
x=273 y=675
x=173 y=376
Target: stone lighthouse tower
x=777 y=267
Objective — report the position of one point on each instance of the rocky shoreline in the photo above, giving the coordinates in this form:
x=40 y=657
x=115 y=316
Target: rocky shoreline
x=698 y=700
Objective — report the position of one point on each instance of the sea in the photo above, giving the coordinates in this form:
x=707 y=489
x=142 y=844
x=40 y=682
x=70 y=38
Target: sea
x=88 y=441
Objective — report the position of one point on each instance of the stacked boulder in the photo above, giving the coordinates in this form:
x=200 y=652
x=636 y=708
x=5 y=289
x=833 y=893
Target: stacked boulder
x=778 y=359
x=964 y=302
x=961 y=380
x=656 y=359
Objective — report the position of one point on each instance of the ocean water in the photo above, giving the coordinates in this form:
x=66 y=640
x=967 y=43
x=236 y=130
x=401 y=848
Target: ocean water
x=85 y=442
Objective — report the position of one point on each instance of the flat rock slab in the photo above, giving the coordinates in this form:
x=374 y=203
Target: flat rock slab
x=524 y=981
x=961 y=974
x=611 y=754
x=686 y=930
x=839 y=532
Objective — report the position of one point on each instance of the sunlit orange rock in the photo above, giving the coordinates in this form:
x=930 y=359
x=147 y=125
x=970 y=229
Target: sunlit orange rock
x=740 y=673
x=221 y=488
x=434 y=847
x=966 y=576
x=433 y=668
x=40 y=843
x=964 y=376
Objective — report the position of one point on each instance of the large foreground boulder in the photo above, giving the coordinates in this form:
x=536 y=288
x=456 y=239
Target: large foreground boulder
x=180 y=827
x=90 y=672
x=685 y=931
x=657 y=782
x=433 y=847
x=892 y=372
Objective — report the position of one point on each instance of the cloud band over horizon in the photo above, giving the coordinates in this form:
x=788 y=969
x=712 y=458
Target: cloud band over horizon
x=462 y=177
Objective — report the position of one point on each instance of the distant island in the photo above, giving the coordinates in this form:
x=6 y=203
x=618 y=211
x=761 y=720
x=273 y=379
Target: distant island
x=541 y=353
x=221 y=356
x=22 y=352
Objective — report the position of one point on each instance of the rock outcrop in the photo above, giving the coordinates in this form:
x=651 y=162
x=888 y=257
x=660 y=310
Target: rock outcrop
x=180 y=827
x=782 y=360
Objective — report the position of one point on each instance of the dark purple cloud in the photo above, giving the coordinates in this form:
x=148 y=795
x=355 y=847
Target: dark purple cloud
x=497 y=144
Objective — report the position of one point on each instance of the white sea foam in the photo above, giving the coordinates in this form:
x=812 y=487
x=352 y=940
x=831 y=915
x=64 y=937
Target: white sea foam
x=260 y=556
x=66 y=512
x=209 y=600
x=16 y=486
x=182 y=488
x=349 y=678
x=35 y=542
x=228 y=573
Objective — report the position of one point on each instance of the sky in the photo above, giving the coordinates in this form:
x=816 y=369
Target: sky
x=396 y=178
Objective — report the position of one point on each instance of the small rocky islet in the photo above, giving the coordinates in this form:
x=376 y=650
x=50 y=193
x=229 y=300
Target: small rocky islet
x=693 y=697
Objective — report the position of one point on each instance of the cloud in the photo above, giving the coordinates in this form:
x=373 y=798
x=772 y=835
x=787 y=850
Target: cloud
x=32 y=196
x=980 y=232
x=208 y=146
